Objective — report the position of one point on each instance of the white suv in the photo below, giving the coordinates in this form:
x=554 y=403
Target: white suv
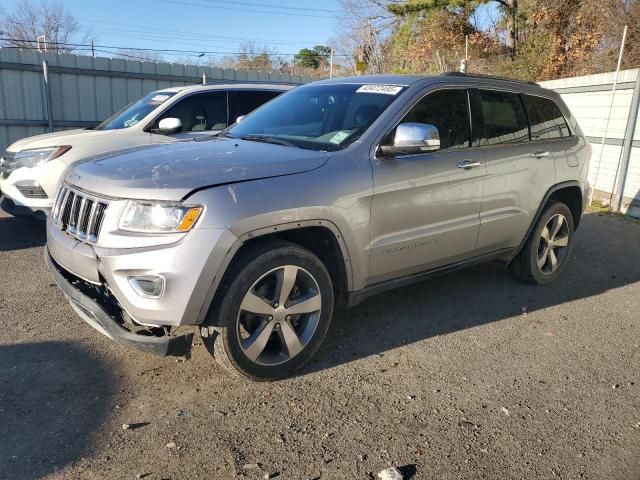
x=31 y=169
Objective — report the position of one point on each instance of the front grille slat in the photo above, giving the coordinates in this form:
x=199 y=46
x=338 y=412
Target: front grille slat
x=79 y=214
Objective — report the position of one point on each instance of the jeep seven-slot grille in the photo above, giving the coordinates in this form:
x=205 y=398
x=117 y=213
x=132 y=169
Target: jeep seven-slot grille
x=79 y=214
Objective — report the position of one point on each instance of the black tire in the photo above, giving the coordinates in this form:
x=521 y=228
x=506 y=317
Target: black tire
x=262 y=267
x=525 y=265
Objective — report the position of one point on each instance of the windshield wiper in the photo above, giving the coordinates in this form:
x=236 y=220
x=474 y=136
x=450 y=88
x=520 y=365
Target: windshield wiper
x=268 y=139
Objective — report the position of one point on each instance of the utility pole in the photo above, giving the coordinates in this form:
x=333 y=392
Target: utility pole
x=606 y=125
x=331 y=64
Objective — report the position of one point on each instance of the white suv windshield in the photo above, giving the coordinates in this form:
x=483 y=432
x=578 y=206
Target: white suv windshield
x=317 y=117
x=135 y=112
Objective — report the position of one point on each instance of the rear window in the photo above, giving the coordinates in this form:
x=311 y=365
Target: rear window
x=547 y=121
x=505 y=120
x=245 y=102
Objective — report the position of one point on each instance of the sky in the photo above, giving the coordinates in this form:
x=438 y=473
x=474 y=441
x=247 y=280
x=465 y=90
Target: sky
x=216 y=26
x=284 y=26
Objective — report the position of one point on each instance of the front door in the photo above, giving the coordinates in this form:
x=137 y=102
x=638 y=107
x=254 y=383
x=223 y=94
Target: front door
x=201 y=115
x=426 y=207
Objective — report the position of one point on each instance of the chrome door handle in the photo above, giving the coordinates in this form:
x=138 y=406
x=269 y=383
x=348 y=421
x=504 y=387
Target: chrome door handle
x=540 y=154
x=469 y=164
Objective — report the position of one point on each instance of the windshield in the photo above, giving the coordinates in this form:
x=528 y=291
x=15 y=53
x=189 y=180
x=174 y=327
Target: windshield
x=135 y=112
x=317 y=117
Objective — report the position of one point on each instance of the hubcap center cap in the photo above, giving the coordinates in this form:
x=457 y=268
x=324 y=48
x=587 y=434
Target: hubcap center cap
x=279 y=314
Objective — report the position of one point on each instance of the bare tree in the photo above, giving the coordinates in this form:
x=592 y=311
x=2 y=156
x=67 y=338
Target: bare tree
x=364 y=25
x=21 y=26
x=252 y=56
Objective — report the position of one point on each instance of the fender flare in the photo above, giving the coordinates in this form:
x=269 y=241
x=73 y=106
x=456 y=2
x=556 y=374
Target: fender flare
x=545 y=199
x=263 y=232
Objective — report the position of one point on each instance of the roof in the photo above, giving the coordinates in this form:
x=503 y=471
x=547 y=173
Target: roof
x=281 y=87
x=407 y=80
x=399 y=80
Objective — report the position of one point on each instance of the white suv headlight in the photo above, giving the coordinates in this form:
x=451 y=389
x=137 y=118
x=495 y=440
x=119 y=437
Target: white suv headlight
x=159 y=217
x=36 y=156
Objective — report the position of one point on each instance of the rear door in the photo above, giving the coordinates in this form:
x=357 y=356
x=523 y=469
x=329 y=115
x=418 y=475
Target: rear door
x=243 y=102
x=519 y=170
x=426 y=207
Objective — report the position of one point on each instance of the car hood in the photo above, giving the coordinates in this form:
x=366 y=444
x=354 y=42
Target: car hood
x=172 y=171
x=67 y=137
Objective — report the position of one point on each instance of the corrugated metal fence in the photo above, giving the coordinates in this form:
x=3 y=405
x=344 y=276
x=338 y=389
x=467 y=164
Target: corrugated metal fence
x=86 y=90
x=615 y=170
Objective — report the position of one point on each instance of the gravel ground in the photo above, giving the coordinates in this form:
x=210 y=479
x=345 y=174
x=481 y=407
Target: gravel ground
x=466 y=376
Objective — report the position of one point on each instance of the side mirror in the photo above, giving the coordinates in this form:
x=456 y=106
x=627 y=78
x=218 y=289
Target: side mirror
x=167 y=126
x=240 y=118
x=413 y=138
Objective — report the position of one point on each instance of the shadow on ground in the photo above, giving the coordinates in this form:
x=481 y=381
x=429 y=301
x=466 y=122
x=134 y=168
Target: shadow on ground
x=54 y=396
x=605 y=256
x=17 y=233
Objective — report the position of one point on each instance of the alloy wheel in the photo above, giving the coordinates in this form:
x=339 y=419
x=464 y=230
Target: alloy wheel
x=553 y=243
x=279 y=315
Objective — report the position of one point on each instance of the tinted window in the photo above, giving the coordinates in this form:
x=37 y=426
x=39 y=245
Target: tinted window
x=546 y=118
x=318 y=117
x=242 y=103
x=200 y=112
x=448 y=111
x=505 y=120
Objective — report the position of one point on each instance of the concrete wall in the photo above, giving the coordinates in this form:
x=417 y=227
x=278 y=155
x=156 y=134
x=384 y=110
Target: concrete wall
x=589 y=98
x=86 y=90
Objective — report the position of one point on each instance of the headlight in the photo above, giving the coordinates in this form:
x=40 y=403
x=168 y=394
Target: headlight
x=34 y=157
x=159 y=217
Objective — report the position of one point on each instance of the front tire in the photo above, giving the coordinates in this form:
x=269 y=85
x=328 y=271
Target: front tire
x=546 y=252
x=275 y=313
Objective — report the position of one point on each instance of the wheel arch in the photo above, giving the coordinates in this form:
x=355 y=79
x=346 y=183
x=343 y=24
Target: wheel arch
x=570 y=193
x=321 y=237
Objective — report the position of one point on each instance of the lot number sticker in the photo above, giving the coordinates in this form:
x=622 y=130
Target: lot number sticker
x=384 y=89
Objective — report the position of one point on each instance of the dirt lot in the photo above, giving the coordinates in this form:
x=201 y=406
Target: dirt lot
x=447 y=379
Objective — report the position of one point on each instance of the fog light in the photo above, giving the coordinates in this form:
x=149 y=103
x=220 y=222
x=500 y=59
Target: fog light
x=30 y=189
x=148 y=286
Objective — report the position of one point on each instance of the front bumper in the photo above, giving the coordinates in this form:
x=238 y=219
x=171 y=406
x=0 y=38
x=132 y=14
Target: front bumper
x=10 y=206
x=188 y=266
x=46 y=176
x=96 y=315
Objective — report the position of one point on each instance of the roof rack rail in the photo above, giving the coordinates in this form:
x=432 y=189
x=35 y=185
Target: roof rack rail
x=490 y=77
x=260 y=82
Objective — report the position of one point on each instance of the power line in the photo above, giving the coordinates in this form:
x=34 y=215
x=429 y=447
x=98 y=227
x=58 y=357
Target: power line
x=179 y=38
x=271 y=5
x=244 y=10
x=155 y=50
x=198 y=34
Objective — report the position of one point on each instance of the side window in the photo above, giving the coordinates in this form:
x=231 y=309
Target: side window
x=243 y=103
x=546 y=118
x=504 y=118
x=448 y=111
x=200 y=112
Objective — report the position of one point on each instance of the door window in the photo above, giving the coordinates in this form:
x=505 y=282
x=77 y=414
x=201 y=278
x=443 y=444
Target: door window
x=546 y=119
x=505 y=120
x=243 y=103
x=200 y=112
x=448 y=111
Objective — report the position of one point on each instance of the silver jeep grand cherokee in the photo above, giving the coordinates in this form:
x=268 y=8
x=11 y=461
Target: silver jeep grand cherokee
x=334 y=191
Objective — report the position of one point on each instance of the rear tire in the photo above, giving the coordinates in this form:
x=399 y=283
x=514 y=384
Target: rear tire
x=275 y=311
x=547 y=250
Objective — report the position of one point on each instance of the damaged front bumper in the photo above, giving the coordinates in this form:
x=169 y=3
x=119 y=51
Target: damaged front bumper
x=93 y=310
